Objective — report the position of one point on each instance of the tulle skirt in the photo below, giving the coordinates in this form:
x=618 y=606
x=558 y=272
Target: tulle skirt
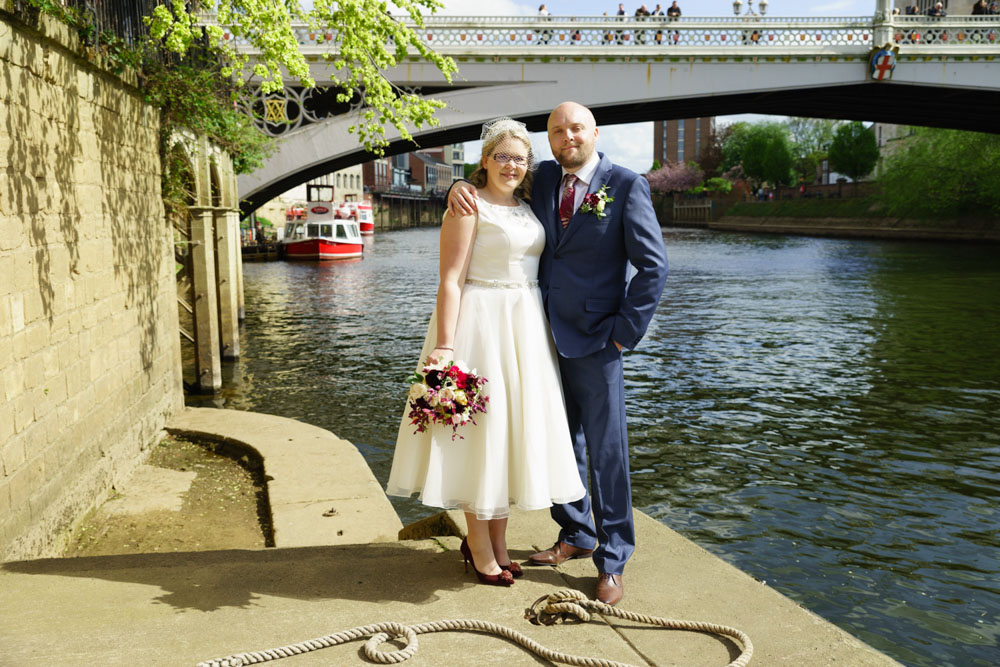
x=519 y=454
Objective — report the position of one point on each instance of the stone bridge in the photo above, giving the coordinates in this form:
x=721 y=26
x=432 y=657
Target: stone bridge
x=947 y=74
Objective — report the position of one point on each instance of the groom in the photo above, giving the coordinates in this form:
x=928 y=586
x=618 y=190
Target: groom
x=598 y=221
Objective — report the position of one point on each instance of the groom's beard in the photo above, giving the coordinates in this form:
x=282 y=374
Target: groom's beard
x=574 y=160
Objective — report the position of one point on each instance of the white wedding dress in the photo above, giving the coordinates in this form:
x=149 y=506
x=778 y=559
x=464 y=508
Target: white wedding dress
x=519 y=453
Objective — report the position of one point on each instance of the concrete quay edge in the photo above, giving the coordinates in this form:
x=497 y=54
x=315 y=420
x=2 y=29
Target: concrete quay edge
x=320 y=488
x=182 y=608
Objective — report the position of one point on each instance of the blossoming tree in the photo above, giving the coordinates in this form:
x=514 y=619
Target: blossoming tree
x=368 y=40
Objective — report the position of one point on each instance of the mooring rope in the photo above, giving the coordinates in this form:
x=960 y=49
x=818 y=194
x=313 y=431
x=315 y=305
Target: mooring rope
x=550 y=609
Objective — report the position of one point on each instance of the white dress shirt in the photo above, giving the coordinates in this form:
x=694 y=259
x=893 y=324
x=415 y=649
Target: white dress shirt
x=584 y=174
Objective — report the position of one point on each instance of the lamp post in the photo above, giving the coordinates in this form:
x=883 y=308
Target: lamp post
x=738 y=6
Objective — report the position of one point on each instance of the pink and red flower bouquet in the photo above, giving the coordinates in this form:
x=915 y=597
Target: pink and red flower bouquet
x=447 y=393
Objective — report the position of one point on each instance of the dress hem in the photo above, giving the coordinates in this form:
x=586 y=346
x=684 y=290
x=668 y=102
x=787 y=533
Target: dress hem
x=483 y=514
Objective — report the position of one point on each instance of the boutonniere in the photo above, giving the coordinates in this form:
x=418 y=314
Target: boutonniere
x=596 y=201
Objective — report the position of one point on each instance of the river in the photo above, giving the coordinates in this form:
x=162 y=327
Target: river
x=823 y=414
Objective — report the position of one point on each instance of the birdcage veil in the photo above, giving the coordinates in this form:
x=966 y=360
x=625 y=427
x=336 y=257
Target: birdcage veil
x=505 y=126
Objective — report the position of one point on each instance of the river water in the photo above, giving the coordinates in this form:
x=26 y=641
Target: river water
x=823 y=414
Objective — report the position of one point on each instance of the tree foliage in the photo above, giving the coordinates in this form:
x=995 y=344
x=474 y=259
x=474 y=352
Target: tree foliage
x=854 y=151
x=767 y=154
x=762 y=150
x=943 y=173
x=365 y=43
x=673 y=177
x=733 y=144
x=711 y=157
x=811 y=139
x=811 y=136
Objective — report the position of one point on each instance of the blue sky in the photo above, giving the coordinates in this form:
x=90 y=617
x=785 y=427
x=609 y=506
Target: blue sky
x=631 y=145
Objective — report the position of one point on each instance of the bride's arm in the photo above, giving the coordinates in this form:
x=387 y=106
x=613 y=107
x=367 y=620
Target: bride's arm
x=457 y=234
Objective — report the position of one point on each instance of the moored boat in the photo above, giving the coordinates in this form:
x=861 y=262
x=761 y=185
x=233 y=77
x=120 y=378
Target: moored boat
x=366 y=221
x=322 y=235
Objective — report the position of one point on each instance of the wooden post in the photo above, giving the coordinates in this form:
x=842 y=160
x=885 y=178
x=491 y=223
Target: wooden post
x=206 y=334
x=228 y=249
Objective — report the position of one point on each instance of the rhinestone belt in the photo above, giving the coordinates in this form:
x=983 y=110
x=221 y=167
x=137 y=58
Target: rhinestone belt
x=502 y=284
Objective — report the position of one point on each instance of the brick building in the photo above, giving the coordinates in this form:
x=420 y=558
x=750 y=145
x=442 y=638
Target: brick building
x=682 y=140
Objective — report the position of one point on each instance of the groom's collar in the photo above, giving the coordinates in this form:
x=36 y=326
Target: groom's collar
x=586 y=172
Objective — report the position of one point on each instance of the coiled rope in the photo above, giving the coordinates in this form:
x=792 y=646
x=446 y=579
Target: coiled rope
x=555 y=608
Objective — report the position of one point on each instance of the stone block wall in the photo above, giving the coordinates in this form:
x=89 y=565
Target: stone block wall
x=89 y=349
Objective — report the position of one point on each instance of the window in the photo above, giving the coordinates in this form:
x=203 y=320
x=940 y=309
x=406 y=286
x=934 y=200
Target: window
x=289 y=228
x=697 y=136
x=664 y=143
x=680 y=141
x=326 y=230
x=338 y=180
x=341 y=232
x=313 y=229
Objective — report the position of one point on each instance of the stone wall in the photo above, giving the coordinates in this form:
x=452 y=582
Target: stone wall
x=89 y=350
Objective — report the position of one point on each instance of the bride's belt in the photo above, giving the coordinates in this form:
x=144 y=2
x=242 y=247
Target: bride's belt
x=502 y=284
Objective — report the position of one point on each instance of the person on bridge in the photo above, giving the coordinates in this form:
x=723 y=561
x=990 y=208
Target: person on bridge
x=674 y=11
x=545 y=35
x=937 y=11
x=980 y=8
x=489 y=315
x=598 y=221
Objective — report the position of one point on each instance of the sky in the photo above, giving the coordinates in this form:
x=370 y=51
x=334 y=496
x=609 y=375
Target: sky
x=631 y=145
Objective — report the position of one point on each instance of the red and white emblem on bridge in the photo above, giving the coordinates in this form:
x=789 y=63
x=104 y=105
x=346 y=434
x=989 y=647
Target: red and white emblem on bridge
x=882 y=62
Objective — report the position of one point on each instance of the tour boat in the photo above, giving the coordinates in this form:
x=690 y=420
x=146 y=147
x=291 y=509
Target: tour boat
x=366 y=222
x=361 y=212
x=322 y=235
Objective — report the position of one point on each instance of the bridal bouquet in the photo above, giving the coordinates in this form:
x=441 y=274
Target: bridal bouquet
x=448 y=393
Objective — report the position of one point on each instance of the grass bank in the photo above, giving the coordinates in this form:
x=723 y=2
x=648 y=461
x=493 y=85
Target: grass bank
x=853 y=217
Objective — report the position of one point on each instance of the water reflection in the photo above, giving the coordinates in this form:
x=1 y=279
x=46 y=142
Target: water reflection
x=821 y=413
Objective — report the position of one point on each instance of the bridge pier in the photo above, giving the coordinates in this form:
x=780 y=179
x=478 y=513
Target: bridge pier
x=206 y=314
x=227 y=249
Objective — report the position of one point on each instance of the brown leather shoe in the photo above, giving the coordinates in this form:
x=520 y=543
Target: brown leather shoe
x=559 y=553
x=610 y=590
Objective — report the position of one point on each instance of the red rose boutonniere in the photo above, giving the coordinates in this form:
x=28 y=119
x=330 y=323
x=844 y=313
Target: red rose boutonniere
x=596 y=201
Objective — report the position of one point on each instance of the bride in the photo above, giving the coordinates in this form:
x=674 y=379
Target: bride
x=489 y=315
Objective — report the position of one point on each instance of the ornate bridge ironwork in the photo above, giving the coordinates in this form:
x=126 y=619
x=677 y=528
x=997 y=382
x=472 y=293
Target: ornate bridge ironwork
x=479 y=40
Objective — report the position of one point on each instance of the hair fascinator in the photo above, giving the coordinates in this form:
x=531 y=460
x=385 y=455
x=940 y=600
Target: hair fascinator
x=505 y=126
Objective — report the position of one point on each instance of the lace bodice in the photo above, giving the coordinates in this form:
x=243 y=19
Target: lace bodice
x=509 y=243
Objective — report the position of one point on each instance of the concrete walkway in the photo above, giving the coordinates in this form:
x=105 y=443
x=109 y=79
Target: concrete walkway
x=179 y=609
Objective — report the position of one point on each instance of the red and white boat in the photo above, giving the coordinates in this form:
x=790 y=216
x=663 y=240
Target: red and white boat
x=361 y=212
x=366 y=221
x=322 y=235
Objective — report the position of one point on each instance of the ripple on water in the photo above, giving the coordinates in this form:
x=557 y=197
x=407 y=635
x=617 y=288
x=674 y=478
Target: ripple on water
x=821 y=413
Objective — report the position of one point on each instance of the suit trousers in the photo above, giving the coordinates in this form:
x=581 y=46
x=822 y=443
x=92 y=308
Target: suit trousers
x=594 y=387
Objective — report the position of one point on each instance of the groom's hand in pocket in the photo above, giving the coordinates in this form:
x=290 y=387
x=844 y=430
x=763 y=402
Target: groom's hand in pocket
x=462 y=198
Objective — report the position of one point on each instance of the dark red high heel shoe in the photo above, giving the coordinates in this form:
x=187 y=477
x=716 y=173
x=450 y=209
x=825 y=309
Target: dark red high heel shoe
x=514 y=569
x=505 y=578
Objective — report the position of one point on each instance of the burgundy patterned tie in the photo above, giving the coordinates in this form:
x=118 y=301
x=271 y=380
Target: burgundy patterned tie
x=566 y=204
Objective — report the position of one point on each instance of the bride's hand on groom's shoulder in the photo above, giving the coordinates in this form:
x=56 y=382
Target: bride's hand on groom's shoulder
x=462 y=199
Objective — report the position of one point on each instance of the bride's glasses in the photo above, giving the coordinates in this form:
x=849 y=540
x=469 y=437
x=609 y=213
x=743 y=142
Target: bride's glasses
x=504 y=158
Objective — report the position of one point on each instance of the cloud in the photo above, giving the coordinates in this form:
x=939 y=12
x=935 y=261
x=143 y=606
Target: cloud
x=628 y=145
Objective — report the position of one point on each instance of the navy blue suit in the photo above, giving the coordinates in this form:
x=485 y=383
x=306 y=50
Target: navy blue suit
x=591 y=302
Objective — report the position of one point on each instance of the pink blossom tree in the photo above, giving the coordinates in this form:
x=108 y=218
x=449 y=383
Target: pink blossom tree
x=673 y=177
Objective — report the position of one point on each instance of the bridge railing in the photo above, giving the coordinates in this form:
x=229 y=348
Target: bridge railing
x=950 y=32
x=572 y=35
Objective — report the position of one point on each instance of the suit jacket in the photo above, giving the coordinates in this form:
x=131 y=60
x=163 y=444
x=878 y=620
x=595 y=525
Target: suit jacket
x=583 y=273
